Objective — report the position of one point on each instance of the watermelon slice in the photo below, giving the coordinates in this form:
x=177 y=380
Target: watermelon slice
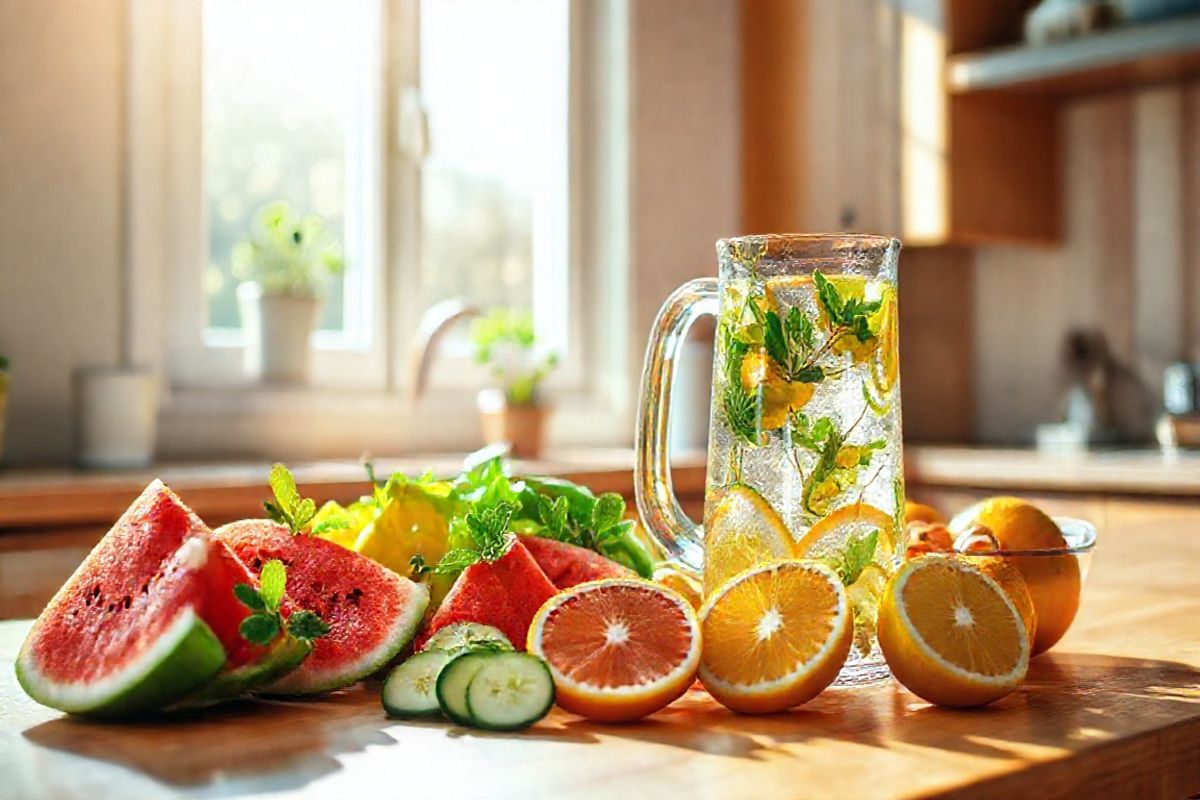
x=371 y=611
x=505 y=594
x=568 y=565
x=148 y=619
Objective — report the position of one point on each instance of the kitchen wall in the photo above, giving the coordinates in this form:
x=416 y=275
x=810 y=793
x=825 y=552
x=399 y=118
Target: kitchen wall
x=1128 y=264
x=59 y=166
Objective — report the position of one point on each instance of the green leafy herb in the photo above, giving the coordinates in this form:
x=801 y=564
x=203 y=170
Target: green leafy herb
x=857 y=554
x=800 y=331
x=270 y=584
x=810 y=374
x=487 y=539
x=304 y=624
x=266 y=622
x=846 y=315
x=289 y=508
x=248 y=596
x=260 y=629
x=775 y=342
x=742 y=411
x=489 y=529
x=456 y=561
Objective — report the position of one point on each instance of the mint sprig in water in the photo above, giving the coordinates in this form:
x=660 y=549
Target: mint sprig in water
x=266 y=622
x=289 y=508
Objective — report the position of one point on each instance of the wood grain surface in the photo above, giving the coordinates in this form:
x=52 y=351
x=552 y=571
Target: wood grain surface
x=1113 y=711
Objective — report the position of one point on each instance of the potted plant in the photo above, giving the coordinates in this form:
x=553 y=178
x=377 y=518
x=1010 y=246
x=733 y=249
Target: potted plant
x=284 y=266
x=505 y=341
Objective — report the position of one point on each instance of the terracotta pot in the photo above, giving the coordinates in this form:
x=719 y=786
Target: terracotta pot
x=278 y=328
x=521 y=427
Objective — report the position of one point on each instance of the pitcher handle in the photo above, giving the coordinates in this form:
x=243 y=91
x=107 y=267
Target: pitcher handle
x=656 y=500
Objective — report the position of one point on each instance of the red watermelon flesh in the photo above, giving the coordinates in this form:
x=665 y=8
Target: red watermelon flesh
x=371 y=611
x=505 y=593
x=568 y=565
x=158 y=566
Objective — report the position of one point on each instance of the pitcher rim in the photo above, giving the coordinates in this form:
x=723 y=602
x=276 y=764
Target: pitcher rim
x=866 y=239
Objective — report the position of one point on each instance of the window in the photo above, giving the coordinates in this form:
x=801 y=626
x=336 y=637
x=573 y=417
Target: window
x=440 y=140
x=311 y=102
x=494 y=183
x=290 y=113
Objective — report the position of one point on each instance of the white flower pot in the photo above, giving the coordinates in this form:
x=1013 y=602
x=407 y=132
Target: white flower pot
x=116 y=417
x=278 y=330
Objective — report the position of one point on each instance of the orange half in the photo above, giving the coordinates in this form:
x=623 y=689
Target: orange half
x=775 y=636
x=618 y=649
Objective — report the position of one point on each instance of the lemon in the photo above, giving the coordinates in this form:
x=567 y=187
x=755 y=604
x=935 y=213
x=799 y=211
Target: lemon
x=410 y=523
x=762 y=378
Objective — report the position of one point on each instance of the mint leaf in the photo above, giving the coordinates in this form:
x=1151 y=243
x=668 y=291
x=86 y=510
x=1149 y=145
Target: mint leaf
x=830 y=298
x=456 y=561
x=610 y=509
x=259 y=629
x=306 y=625
x=283 y=486
x=810 y=374
x=800 y=328
x=614 y=532
x=859 y=552
x=331 y=524
x=776 y=346
x=248 y=596
x=271 y=580
x=553 y=515
x=289 y=508
x=418 y=565
x=488 y=529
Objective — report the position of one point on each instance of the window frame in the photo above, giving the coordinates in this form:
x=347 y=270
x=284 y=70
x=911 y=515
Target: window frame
x=207 y=408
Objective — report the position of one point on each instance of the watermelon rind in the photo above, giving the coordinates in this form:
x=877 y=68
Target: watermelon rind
x=402 y=630
x=284 y=656
x=181 y=661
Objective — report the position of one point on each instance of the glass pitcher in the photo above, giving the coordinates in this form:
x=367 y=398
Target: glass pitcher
x=804 y=451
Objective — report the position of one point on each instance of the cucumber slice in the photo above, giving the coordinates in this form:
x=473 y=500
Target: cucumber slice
x=453 y=682
x=510 y=691
x=411 y=688
x=464 y=636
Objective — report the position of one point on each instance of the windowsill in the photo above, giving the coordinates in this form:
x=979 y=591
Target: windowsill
x=220 y=491
x=303 y=422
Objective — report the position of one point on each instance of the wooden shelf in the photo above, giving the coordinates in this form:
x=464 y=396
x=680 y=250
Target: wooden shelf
x=1110 y=60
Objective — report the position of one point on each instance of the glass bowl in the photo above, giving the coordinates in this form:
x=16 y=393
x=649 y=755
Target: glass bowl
x=1053 y=576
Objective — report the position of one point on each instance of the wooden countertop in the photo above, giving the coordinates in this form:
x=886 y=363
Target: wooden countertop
x=1114 y=711
x=1127 y=472
x=31 y=498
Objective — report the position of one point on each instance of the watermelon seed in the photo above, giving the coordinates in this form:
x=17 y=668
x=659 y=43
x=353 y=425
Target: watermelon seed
x=127 y=601
x=355 y=595
x=146 y=587
x=256 y=564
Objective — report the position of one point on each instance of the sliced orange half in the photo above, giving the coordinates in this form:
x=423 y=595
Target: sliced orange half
x=742 y=530
x=951 y=634
x=618 y=649
x=775 y=636
x=830 y=534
